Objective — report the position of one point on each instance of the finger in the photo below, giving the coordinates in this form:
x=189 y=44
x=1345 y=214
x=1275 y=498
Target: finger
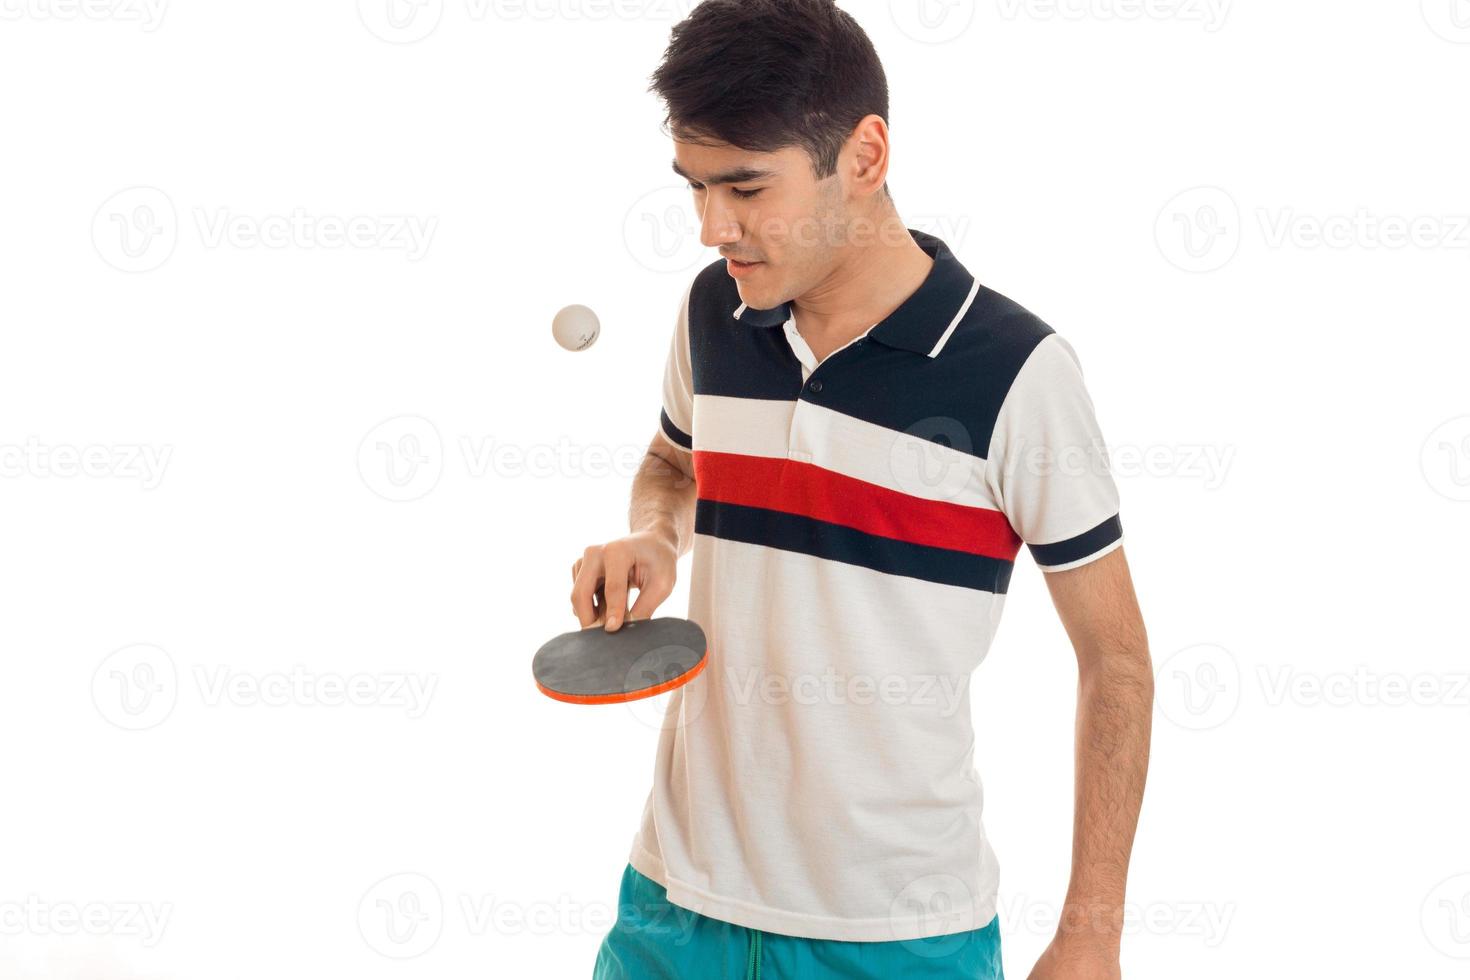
x=649 y=597
x=585 y=587
x=618 y=563
x=599 y=602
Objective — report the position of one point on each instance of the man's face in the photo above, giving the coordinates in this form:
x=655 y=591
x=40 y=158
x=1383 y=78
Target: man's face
x=768 y=209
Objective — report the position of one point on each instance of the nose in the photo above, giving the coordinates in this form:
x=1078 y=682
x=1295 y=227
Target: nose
x=718 y=225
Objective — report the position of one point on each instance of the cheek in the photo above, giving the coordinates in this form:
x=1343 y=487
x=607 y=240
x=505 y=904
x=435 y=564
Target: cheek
x=775 y=231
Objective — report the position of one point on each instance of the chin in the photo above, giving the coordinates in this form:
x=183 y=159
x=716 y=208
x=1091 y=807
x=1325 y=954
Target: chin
x=756 y=298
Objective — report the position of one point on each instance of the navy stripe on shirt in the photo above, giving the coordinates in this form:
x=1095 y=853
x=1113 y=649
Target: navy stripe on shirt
x=821 y=539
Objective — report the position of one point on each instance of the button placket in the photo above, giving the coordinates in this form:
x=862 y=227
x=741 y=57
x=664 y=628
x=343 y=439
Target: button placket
x=796 y=437
x=812 y=384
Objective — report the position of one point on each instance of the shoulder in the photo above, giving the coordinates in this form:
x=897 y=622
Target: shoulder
x=995 y=340
x=996 y=325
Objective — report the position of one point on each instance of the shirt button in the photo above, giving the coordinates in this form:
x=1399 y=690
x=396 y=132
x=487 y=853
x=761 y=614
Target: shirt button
x=815 y=386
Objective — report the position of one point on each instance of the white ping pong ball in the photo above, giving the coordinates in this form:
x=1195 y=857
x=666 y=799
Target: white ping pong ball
x=576 y=327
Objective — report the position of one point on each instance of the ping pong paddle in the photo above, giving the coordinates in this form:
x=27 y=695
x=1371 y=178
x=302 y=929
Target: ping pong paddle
x=642 y=658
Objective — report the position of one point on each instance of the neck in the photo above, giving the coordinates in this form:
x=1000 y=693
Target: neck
x=871 y=282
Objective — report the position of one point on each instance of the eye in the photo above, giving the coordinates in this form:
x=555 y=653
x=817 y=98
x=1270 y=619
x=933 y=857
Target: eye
x=742 y=195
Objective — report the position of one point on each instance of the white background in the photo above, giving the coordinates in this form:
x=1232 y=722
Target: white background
x=1288 y=413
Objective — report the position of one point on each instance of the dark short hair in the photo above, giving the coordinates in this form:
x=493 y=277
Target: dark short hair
x=764 y=75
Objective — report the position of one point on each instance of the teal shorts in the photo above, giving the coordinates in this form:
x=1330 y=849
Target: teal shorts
x=656 y=940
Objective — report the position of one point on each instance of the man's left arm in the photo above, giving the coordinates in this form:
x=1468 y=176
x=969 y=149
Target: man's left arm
x=1115 y=690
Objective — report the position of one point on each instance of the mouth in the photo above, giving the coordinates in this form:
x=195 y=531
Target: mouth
x=741 y=269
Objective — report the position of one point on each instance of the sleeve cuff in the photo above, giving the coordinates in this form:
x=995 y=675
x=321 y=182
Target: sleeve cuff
x=677 y=436
x=1081 y=549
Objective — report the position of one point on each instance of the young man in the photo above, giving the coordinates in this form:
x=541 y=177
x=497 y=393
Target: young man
x=856 y=439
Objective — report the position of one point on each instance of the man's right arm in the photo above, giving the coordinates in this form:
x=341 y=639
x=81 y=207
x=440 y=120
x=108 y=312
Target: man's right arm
x=664 y=494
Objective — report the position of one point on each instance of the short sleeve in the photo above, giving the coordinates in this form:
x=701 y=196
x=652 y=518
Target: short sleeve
x=676 y=421
x=1048 y=465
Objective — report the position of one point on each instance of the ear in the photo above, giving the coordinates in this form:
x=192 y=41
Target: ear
x=866 y=156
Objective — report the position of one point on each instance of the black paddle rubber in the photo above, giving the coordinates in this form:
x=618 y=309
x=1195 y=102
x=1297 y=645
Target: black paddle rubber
x=643 y=658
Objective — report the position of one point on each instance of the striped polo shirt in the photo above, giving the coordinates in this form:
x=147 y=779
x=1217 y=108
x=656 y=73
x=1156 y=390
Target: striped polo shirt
x=856 y=526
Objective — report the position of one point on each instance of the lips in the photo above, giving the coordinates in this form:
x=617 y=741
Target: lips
x=739 y=269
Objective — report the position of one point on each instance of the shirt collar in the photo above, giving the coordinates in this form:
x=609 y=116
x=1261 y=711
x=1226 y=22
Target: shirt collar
x=923 y=322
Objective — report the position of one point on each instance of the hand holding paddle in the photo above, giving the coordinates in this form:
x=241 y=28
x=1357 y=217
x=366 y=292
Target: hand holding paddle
x=644 y=560
x=621 y=654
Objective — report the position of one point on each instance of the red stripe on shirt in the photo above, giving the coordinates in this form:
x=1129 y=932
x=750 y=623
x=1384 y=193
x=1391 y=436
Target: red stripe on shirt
x=793 y=487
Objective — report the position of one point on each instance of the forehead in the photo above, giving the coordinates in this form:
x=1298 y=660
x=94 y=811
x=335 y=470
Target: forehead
x=722 y=163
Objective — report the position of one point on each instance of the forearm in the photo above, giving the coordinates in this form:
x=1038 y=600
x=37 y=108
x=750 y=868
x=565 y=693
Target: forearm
x=1114 y=716
x=663 y=502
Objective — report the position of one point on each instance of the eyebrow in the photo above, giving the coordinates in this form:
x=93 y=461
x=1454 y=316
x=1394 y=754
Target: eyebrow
x=740 y=175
